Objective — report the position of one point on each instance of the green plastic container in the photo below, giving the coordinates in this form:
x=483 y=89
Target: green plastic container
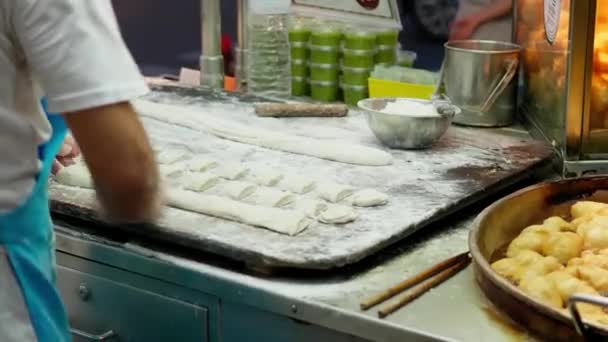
x=300 y=86
x=299 y=34
x=386 y=57
x=324 y=91
x=324 y=54
x=360 y=40
x=324 y=72
x=299 y=50
x=355 y=76
x=326 y=37
x=386 y=54
x=299 y=68
x=406 y=58
x=354 y=93
x=358 y=58
x=389 y=37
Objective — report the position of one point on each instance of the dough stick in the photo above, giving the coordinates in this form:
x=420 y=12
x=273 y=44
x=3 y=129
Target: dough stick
x=231 y=171
x=297 y=184
x=338 y=214
x=200 y=164
x=171 y=171
x=290 y=222
x=171 y=156
x=339 y=151
x=267 y=177
x=77 y=175
x=334 y=192
x=311 y=207
x=269 y=197
x=200 y=181
x=236 y=190
x=368 y=198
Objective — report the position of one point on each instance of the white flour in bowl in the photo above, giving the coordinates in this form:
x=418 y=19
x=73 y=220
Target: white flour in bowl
x=410 y=108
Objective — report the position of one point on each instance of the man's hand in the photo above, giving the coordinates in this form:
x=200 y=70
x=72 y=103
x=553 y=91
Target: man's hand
x=118 y=154
x=66 y=155
x=464 y=28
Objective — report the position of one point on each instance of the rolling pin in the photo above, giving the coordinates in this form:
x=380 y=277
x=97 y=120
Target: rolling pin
x=297 y=109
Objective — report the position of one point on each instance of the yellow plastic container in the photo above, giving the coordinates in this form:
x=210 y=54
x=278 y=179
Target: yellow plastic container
x=383 y=88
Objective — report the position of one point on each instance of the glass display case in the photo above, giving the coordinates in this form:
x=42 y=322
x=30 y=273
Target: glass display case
x=565 y=78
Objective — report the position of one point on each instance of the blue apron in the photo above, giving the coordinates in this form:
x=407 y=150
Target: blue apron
x=27 y=235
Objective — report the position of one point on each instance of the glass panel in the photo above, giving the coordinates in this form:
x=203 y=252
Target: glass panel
x=545 y=67
x=598 y=123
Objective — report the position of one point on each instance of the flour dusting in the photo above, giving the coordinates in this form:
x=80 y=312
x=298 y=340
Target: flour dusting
x=421 y=184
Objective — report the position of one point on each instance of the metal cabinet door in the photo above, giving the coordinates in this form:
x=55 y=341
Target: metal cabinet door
x=104 y=310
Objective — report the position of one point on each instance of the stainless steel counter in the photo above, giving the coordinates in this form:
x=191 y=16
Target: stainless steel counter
x=456 y=310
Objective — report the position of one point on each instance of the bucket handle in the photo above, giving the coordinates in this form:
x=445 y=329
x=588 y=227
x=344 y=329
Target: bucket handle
x=511 y=70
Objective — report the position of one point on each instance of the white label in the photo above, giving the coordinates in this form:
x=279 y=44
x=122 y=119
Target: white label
x=552 y=13
x=378 y=8
x=269 y=6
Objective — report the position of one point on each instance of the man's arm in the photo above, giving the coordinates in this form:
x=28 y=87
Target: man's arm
x=465 y=27
x=77 y=54
x=117 y=151
x=497 y=9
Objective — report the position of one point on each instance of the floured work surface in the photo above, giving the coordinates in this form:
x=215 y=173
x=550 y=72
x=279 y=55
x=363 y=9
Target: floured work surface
x=423 y=185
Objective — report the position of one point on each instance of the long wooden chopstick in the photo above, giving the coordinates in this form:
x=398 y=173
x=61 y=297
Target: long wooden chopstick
x=415 y=280
x=440 y=278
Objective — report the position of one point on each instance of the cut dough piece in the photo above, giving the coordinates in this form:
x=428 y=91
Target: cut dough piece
x=290 y=222
x=311 y=207
x=594 y=275
x=542 y=289
x=171 y=156
x=583 y=208
x=563 y=246
x=236 y=190
x=231 y=171
x=340 y=151
x=528 y=241
x=267 y=177
x=269 y=197
x=559 y=224
x=200 y=181
x=368 y=198
x=508 y=268
x=77 y=175
x=200 y=164
x=297 y=184
x=334 y=192
x=338 y=214
x=171 y=171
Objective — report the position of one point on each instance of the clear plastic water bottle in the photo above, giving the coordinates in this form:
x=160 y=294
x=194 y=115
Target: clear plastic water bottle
x=268 y=60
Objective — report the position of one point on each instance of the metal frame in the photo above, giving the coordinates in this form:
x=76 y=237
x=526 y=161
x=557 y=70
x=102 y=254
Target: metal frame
x=227 y=287
x=572 y=157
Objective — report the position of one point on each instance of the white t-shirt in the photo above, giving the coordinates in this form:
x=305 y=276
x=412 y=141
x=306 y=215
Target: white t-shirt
x=70 y=51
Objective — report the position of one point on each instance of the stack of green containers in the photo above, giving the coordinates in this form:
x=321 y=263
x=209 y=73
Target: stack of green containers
x=387 y=47
x=357 y=63
x=324 y=63
x=298 y=40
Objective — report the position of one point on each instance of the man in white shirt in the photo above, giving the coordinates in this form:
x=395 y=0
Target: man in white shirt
x=483 y=19
x=71 y=52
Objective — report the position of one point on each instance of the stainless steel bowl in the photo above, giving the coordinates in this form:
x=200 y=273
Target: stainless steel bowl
x=406 y=131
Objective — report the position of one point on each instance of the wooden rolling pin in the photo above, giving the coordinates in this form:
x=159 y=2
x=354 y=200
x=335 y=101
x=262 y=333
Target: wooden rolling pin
x=300 y=110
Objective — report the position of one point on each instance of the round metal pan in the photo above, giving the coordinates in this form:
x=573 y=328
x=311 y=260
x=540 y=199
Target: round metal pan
x=500 y=223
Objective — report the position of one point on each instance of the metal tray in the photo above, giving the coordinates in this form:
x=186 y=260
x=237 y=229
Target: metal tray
x=502 y=222
x=465 y=166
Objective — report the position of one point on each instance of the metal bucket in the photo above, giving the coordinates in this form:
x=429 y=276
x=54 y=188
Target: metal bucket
x=479 y=77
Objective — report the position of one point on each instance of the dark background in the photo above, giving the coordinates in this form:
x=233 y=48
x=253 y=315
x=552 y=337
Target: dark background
x=164 y=36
